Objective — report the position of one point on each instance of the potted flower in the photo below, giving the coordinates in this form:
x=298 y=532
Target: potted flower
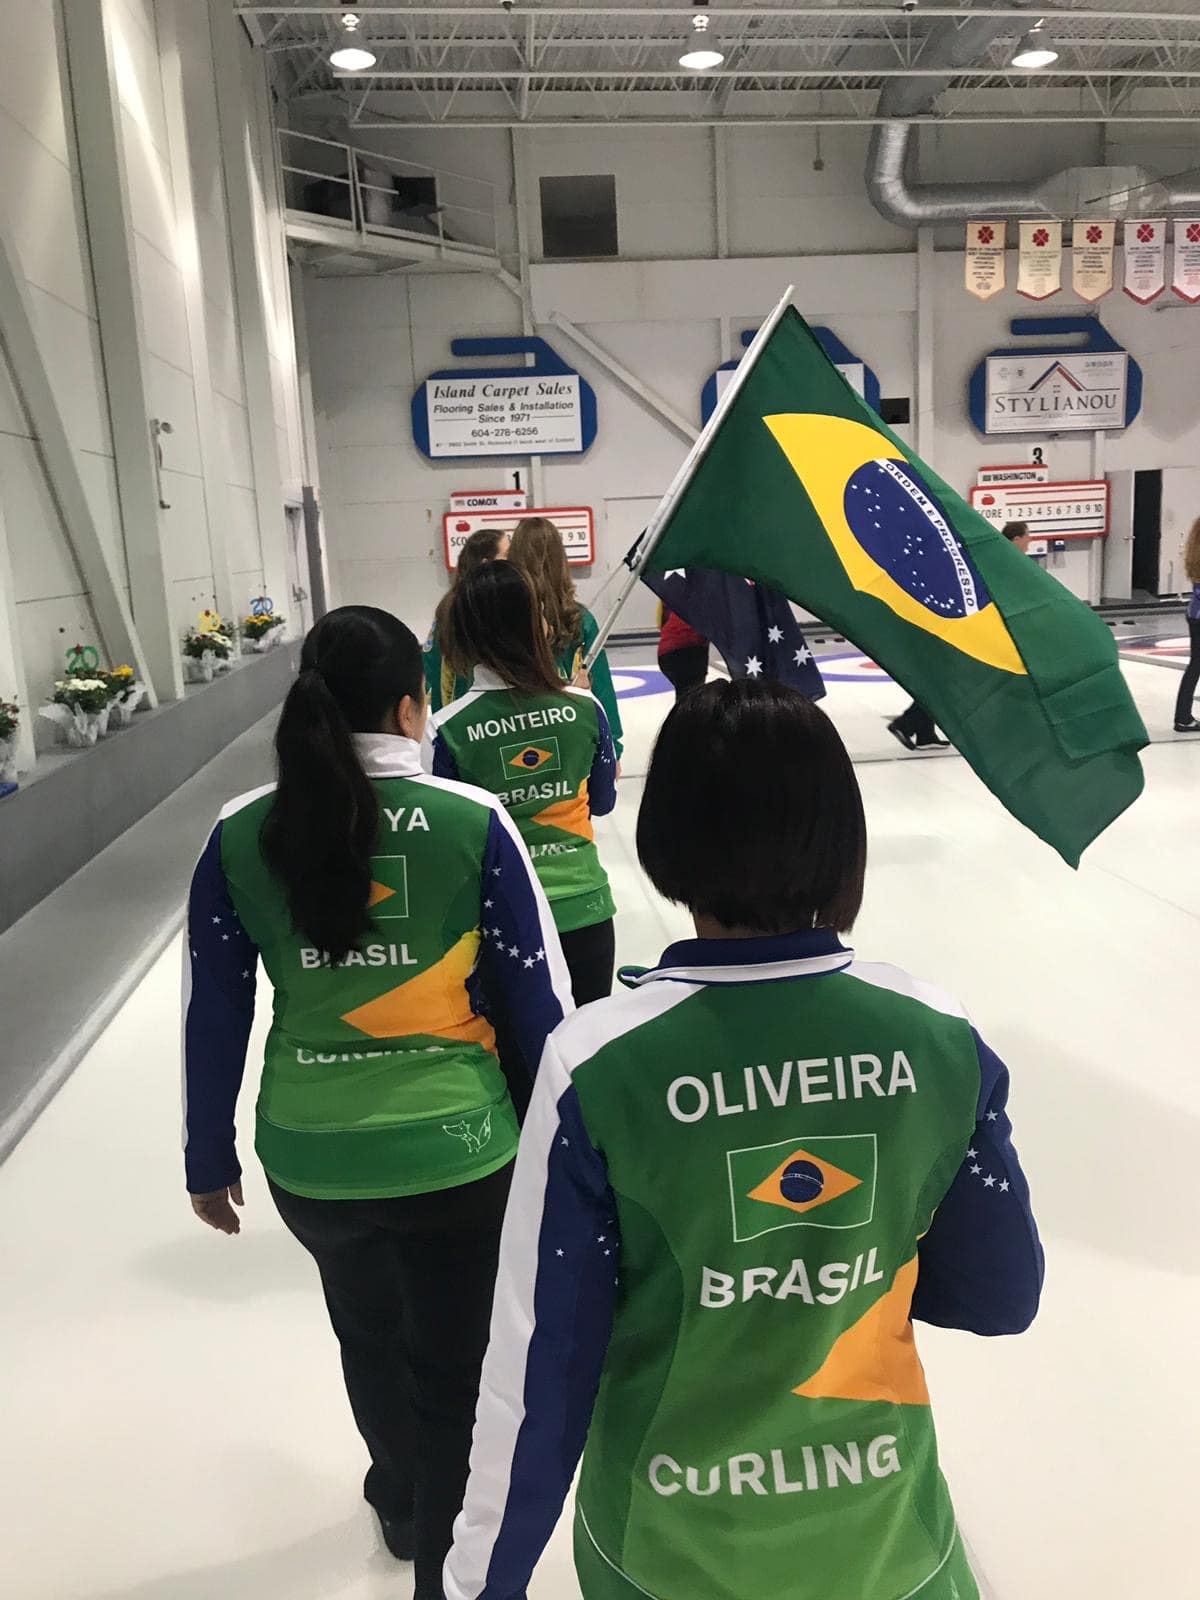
x=79 y=706
x=10 y=716
x=126 y=692
x=259 y=630
x=205 y=651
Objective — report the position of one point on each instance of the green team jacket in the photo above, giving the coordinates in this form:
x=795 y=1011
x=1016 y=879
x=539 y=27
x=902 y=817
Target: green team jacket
x=549 y=759
x=380 y=1076
x=736 y=1184
x=444 y=687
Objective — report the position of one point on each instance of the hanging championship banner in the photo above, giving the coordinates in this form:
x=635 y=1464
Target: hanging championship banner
x=1092 y=245
x=1145 y=259
x=1039 y=273
x=985 y=258
x=1186 y=278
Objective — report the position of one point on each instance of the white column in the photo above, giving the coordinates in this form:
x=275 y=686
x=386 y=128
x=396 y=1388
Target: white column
x=13 y=685
x=236 y=122
x=212 y=462
x=924 y=433
x=537 y=490
x=97 y=113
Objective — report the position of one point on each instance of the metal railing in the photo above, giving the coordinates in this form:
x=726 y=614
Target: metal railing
x=367 y=193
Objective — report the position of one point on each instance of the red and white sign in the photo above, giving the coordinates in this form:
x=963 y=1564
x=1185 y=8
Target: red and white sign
x=1012 y=475
x=573 y=522
x=1145 y=259
x=985 y=258
x=1039 y=260
x=1092 y=244
x=488 y=500
x=1052 y=510
x=1186 y=278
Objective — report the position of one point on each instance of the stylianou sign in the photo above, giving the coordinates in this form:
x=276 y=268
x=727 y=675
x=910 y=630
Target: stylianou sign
x=1059 y=387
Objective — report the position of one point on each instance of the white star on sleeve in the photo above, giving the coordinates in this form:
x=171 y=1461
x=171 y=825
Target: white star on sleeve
x=989 y=1182
x=1004 y=1187
x=753 y=667
x=495 y=872
x=993 y=1116
x=976 y=1169
x=528 y=962
x=513 y=951
x=972 y=1154
x=802 y=655
x=774 y=635
x=487 y=905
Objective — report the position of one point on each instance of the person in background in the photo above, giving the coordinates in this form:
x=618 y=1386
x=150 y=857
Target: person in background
x=545 y=750
x=731 y=1254
x=914 y=728
x=537 y=548
x=384 y=1123
x=484 y=545
x=1185 y=720
x=682 y=653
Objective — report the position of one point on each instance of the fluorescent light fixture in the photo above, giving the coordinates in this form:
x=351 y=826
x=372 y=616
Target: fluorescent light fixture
x=352 y=54
x=1034 y=50
x=700 y=53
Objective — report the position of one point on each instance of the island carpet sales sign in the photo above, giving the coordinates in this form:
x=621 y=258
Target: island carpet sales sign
x=1065 y=393
x=504 y=416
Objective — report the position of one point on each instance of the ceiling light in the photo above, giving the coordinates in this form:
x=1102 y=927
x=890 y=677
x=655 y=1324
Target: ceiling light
x=1034 y=50
x=700 y=53
x=352 y=54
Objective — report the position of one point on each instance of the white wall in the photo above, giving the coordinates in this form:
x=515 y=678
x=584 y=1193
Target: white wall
x=666 y=314
x=41 y=203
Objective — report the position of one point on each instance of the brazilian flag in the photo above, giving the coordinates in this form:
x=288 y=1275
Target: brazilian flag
x=801 y=487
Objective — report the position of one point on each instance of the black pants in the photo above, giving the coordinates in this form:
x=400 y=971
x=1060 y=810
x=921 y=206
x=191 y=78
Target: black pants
x=591 y=954
x=408 y=1284
x=685 y=669
x=1191 y=675
x=917 y=724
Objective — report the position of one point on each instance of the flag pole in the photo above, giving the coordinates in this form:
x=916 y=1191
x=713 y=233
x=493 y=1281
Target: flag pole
x=666 y=507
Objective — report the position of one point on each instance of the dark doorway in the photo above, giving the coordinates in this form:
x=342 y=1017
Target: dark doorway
x=1147 y=530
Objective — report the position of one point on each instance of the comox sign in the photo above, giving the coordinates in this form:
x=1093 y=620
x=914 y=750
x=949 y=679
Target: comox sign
x=1065 y=386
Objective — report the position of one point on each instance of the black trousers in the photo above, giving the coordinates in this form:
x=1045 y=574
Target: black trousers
x=917 y=723
x=685 y=669
x=1191 y=675
x=591 y=955
x=408 y=1284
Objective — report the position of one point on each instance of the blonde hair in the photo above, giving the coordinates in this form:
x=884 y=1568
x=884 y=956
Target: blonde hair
x=537 y=550
x=1191 y=553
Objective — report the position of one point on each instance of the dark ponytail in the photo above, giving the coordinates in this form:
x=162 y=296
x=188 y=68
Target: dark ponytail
x=357 y=665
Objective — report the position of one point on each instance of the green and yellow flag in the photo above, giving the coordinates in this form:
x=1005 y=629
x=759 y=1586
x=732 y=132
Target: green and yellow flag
x=803 y=488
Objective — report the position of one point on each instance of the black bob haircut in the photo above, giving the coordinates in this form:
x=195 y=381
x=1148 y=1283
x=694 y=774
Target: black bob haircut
x=752 y=813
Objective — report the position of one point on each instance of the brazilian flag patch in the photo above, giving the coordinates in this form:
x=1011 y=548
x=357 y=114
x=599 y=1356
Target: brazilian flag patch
x=539 y=755
x=827 y=1181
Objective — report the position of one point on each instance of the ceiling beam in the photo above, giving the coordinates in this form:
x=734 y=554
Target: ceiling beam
x=740 y=15
x=761 y=75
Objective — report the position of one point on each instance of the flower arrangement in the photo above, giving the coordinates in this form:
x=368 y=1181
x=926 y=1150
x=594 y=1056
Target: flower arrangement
x=80 y=705
x=10 y=716
x=126 y=691
x=90 y=695
x=259 y=625
x=198 y=643
x=206 y=649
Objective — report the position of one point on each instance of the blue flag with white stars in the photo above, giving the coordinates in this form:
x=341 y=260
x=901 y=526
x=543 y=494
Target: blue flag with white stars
x=752 y=626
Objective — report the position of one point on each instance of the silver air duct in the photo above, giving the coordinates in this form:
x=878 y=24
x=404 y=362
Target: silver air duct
x=1106 y=191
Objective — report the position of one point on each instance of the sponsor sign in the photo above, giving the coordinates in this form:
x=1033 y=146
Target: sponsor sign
x=1012 y=475
x=543 y=409
x=1052 y=510
x=1056 y=386
x=573 y=522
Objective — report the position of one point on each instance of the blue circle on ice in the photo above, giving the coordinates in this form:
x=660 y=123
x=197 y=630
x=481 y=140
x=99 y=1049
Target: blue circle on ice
x=894 y=515
x=802 y=1182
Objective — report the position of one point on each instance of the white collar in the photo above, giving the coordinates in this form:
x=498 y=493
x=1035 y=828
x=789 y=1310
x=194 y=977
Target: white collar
x=388 y=755
x=485 y=678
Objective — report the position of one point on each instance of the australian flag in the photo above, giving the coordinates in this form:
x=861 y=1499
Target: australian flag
x=753 y=627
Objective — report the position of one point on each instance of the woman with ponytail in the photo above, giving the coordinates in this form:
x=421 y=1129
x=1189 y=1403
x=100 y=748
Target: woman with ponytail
x=385 y=1126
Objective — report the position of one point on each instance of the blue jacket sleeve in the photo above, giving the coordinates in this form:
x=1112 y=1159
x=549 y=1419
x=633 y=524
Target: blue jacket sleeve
x=444 y=764
x=981 y=1262
x=526 y=958
x=551 y=1326
x=220 y=965
x=602 y=785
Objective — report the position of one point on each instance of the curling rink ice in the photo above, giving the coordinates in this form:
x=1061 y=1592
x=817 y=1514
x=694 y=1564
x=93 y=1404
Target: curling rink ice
x=174 y=1422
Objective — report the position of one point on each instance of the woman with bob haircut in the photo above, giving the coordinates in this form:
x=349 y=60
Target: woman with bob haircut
x=737 y=1184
